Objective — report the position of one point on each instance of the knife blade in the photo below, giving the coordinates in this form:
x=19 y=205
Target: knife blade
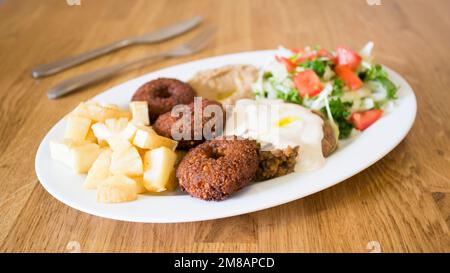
x=170 y=31
x=152 y=37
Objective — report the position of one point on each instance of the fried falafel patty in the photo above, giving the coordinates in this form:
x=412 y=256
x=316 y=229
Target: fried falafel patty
x=163 y=94
x=216 y=169
x=276 y=163
x=164 y=124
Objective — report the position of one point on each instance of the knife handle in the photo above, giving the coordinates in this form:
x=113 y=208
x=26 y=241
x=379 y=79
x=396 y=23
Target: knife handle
x=75 y=83
x=60 y=65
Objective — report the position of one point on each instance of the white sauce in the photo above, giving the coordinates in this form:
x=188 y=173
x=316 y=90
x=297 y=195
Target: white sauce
x=276 y=125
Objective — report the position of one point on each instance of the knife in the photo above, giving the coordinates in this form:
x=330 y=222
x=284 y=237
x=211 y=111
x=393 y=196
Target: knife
x=153 y=37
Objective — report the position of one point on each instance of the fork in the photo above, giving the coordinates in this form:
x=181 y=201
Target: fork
x=156 y=36
x=67 y=86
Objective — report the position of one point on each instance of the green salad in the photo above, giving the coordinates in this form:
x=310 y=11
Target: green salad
x=347 y=87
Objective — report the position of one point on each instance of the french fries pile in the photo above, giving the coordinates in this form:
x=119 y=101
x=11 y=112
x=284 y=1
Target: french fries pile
x=118 y=150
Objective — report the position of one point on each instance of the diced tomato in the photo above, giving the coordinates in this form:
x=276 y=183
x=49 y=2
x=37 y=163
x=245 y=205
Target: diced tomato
x=297 y=50
x=362 y=120
x=290 y=66
x=306 y=56
x=350 y=77
x=300 y=60
x=325 y=53
x=346 y=56
x=308 y=83
x=314 y=54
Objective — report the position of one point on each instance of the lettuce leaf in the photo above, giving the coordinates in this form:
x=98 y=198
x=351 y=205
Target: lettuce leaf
x=340 y=111
x=378 y=74
x=318 y=65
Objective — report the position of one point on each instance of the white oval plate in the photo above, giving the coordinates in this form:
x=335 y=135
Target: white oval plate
x=363 y=151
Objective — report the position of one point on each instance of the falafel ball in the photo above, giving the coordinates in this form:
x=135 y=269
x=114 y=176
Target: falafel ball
x=276 y=163
x=163 y=94
x=164 y=124
x=216 y=169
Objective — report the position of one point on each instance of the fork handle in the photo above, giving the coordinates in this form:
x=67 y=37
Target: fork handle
x=75 y=83
x=60 y=65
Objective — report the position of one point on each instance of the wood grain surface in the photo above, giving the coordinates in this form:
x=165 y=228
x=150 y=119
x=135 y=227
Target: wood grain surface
x=400 y=204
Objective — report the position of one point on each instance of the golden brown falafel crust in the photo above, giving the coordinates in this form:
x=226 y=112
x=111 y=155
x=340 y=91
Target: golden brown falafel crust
x=163 y=94
x=164 y=123
x=276 y=163
x=216 y=169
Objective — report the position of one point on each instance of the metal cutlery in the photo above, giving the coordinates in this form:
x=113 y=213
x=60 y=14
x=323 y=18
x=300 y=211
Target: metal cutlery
x=153 y=37
x=67 y=86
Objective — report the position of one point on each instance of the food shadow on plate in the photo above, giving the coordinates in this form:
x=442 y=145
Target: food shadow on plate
x=177 y=192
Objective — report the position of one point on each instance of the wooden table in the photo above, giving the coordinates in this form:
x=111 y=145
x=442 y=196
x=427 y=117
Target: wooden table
x=400 y=204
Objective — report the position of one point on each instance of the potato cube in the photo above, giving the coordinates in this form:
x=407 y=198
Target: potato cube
x=146 y=138
x=139 y=112
x=99 y=112
x=158 y=165
x=77 y=155
x=118 y=143
x=109 y=128
x=126 y=161
x=116 y=189
x=77 y=128
x=139 y=183
x=99 y=170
